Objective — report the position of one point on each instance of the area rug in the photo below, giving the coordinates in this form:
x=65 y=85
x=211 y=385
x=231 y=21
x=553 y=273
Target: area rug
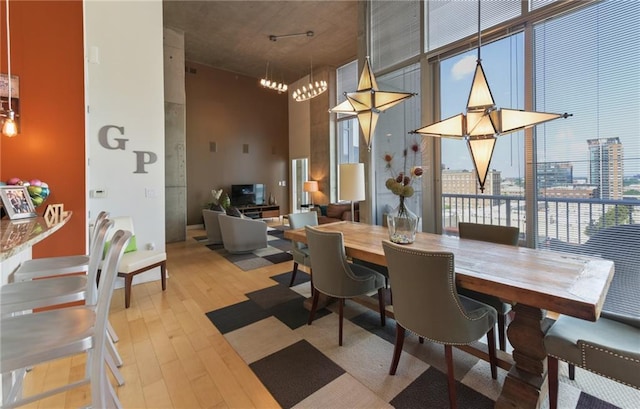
x=303 y=366
x=277 y=251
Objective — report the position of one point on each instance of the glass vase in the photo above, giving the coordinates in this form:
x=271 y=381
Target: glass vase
x=402 y=224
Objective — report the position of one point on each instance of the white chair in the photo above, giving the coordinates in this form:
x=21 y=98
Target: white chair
x=32 y=339
x=53 y=266
x=23 y=296
x=212 y=226
x=240 y=235
x=137 y=261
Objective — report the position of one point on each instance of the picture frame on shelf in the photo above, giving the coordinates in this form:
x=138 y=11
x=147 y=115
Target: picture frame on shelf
x=16 y=202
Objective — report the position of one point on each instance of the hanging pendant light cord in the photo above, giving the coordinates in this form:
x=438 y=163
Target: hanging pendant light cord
x=479 y=33
x=8 y=55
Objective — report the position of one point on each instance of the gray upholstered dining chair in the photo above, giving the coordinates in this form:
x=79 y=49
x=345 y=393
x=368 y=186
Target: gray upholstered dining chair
x=335 y=277
x=300 y=251
x=425 y=302
x=609 y=347
x=499 y=235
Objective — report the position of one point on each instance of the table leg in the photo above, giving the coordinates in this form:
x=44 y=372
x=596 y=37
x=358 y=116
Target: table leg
x=525 y=384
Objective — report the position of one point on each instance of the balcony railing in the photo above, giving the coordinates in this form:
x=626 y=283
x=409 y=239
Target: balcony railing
x=565 y=219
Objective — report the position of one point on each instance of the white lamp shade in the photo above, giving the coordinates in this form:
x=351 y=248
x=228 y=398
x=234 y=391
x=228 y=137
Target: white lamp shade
x=352 y=182
x=310 y=186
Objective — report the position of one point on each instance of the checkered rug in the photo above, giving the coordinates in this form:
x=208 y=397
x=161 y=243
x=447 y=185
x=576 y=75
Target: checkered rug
x=277 y=251
x=303 y=366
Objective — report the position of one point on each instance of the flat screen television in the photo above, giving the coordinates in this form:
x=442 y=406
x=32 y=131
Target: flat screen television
x=248 y=194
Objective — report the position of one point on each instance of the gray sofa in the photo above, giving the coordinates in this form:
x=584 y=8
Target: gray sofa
x=242 y=235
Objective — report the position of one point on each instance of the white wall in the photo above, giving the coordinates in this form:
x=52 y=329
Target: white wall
x=125 y=89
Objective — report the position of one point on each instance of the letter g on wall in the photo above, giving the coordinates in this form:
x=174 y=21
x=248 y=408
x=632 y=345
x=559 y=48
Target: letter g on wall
x=104 y=140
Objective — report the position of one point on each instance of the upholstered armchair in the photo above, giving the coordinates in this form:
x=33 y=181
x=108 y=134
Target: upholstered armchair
x=494 y=234
x=335 y=277
x=609 y=347
x=240 y=235
x=300 y=251
x=212 y=226
x=425 y=302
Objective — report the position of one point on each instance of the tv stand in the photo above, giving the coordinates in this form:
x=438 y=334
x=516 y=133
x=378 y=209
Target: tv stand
x=260 y=211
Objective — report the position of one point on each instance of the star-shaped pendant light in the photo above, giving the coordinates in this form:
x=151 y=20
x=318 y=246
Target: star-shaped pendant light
x=368 y=101
x=484 y=122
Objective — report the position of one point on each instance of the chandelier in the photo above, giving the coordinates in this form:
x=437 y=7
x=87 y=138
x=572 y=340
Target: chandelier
x=484 y=121
x=311 y=90
x=272 y=84
x=368 y=101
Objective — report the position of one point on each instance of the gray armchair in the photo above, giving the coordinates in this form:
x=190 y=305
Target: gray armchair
x=499 y=235
x=212 y=226
x=240 y=235
x=335 y=277
x=300 y=251
x=425 y=302
x=609 y=347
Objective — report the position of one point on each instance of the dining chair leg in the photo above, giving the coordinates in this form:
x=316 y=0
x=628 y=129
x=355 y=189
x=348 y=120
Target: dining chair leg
x=397 y=350
x=340 y=314
x=112 y=332
x=448 y=353
x=502 y=340
x=421 y=340
x=293 y=273
x=114 y=368
x=572 y=372
x=552 y=365
x=314 y=305
x=383 y=315
x=491 y=345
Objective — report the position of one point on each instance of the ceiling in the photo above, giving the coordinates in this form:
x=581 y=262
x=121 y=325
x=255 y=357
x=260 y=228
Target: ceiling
x=234 y=35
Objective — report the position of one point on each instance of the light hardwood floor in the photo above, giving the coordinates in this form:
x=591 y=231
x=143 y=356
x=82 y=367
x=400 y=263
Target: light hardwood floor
x=173 y=356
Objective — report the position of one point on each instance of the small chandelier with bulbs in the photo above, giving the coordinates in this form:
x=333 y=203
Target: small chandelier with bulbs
x=272 y=84
x=311 y=90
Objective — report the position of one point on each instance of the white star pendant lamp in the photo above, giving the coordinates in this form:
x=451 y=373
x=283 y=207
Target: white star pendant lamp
x=368 y=101
x=484 y=122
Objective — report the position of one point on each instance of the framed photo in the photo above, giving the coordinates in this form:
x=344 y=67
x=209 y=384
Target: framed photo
x=17 y=202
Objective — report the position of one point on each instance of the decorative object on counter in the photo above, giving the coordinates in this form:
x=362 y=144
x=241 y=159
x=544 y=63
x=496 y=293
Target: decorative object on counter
x=401 y=221
x=272 y=199
x=367 y=102
x=54 y=213
x=17 y=202
x=38 y=190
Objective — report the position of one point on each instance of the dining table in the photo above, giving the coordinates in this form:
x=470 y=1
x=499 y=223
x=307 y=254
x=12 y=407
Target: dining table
x=534 y=281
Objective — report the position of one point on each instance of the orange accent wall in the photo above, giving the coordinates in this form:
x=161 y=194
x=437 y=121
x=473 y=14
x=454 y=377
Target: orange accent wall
x=47 y=53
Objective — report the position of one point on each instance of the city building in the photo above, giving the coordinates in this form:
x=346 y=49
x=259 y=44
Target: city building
x=552 y=174
x=465 y=182
x=606 y=167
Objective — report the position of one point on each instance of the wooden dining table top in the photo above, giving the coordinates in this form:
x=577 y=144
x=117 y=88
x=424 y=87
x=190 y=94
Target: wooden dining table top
x=569 y=284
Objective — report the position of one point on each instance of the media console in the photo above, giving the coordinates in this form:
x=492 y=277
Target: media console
x=260 y=211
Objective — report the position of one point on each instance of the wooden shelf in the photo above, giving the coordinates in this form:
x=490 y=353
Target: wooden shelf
x=260 y=211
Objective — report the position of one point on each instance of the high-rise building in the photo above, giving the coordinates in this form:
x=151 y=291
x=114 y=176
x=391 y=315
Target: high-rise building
x=605 y=167
x=551 y=174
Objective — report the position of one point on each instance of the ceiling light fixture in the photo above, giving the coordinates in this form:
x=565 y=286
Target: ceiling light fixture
x=311 y=90
x=484 y=122
x=367 y=102
x=306 y=34
x=9 y=127
x=271 y=84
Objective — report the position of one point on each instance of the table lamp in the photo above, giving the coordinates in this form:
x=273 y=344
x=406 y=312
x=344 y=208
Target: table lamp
x=352 y=184
x=310 y=186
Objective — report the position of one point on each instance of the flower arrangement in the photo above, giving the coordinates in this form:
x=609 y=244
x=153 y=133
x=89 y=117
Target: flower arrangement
x=219 y=198
x=402 y=222
x=400 y=183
